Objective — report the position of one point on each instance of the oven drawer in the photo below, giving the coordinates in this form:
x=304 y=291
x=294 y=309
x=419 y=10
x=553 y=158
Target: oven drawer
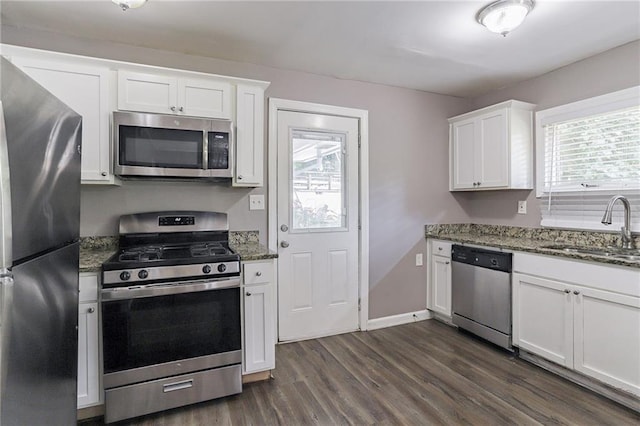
x=258 y=273
x=149 y=397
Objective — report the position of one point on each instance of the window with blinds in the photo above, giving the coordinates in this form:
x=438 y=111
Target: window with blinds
x=587 y=152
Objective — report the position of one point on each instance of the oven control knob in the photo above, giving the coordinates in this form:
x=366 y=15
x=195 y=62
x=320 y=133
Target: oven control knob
x=143 y=274
x=206 y=269
x=222 y=267
x=125 y=276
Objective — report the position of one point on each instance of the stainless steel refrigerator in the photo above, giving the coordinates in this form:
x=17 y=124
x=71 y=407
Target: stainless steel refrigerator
x=39 y=229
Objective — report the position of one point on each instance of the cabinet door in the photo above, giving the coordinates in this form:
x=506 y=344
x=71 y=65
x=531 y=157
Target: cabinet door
x=463 y=153
x=204 y=98
x=543 y=318
x=88 y=368
x=492 y=150
x=147 y=93
x=85 y=90
x=249 y=136
x=607 y=337
x=259 y=328
x=441 y=285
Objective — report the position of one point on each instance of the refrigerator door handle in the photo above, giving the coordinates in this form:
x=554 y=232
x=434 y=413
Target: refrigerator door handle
x=6 y=295
x=6 y=242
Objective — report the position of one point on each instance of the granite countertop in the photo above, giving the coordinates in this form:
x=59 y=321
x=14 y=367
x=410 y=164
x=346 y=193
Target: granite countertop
x=96 y=250
x=253 y=251
x=531 y=240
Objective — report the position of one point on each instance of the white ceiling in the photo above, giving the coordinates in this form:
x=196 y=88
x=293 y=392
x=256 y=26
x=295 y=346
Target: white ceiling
x=434 y=46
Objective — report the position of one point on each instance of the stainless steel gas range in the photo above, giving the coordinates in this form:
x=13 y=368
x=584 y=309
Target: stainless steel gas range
x=170 y=314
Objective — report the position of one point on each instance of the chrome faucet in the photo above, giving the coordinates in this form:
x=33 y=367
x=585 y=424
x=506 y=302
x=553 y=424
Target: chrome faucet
x=627 y=241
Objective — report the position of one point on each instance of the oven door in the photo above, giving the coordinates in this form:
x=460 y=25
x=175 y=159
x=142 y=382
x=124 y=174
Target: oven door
x=169 y=329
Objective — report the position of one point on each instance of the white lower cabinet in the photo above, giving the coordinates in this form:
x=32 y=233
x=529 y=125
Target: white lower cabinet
x=590 y=330
x=259 y=316
x=439 y=289
x=88 y=342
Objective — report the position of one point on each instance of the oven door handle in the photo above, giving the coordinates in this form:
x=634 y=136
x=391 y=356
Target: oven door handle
x=164 y=289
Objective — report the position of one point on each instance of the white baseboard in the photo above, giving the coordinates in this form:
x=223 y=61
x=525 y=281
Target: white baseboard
x=374 y=324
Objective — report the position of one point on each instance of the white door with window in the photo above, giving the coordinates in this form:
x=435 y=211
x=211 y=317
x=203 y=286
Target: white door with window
x=317 y=217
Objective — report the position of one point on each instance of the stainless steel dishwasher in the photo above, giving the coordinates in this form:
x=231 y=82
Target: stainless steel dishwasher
x=481 y=293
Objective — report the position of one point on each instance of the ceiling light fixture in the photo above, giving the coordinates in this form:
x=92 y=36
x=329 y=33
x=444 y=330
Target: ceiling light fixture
x=503 y=16
x=129 y=4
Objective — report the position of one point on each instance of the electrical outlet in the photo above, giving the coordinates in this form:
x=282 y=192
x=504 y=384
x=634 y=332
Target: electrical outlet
x=419 y=260
x=522 y=207
x=256 y=202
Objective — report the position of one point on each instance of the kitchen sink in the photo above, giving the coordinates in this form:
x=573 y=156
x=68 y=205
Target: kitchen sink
x=615 y=252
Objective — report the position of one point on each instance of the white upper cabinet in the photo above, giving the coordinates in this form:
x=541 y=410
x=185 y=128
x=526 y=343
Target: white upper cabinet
x=166 y=94
x=249 y=136
x=85 y=89
x=492 y=148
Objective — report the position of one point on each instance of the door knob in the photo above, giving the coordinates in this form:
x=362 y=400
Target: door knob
x=284 y=244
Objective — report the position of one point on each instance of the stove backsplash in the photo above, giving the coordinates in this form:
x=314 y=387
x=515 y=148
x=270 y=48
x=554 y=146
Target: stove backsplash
x=111 y=243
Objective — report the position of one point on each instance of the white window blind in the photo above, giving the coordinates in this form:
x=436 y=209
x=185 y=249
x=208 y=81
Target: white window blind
x=588 y=152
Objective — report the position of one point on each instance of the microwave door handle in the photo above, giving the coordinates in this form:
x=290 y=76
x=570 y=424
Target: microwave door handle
x=205 y=150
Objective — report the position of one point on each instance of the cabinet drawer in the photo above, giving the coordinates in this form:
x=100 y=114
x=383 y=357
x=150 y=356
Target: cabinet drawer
x=258 y=273
x=88 y=287
x=441 y=248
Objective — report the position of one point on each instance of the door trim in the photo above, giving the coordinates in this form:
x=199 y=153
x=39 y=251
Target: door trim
x=276 y=105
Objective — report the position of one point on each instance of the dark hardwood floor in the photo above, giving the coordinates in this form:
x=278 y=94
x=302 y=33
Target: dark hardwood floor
x=415 y=374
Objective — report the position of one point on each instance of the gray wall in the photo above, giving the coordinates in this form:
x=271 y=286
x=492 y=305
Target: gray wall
x=408 y=164
x=610 y=71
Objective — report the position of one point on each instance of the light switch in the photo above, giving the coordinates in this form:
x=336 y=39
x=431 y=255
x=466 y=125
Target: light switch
x=256 y=202
x=419 y=261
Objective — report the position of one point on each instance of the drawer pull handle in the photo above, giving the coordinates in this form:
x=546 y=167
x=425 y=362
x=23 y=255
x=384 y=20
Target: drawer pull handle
x=567 y=291
x=576 y=292
x=177 y=386
x=258 y=274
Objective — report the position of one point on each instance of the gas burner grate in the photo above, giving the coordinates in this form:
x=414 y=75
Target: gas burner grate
x=201 y=250
x=141 y=254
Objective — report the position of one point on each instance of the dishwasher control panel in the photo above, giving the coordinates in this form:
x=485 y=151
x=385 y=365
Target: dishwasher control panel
x=483 y=258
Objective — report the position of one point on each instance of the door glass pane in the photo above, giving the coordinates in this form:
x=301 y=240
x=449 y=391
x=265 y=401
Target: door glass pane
x=317 y=188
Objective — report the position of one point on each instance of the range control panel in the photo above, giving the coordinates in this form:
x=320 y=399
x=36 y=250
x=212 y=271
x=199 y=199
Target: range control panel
x=176 y=220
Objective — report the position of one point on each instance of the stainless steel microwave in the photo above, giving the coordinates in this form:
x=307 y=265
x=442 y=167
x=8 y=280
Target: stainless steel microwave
x=169 y=146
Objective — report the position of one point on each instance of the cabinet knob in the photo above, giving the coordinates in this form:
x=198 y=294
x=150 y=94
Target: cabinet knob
x=248 y=294
x=566 y=290
x=258 y=274
x=103 y=173
x=181 y=109
x=478 y=183
x=173 y=108
x=446 y=263
x=439 y=248
x=239 y=177
x=91 y=310
x=474 y=184
x=576 y=292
